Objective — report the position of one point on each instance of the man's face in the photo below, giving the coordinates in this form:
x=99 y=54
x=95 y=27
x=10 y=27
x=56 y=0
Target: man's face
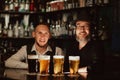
x=41 y=35
x=82 y=30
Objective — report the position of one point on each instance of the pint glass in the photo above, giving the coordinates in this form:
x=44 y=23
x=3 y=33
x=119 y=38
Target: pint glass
x=32 y=63
x=44 y=61
x=74 y=62
x=58 y=61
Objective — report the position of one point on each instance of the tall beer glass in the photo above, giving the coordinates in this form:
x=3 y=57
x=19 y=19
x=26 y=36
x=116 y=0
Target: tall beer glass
x=58 y=61
x=32 y=63
x=44 y=64
x=74 y=62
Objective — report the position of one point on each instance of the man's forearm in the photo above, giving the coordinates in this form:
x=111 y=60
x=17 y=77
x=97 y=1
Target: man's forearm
x=16 y=64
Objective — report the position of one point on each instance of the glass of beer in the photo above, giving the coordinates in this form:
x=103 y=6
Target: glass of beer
x=58 y=61
x=74 y=62
x=44 y=61
x=33 y=63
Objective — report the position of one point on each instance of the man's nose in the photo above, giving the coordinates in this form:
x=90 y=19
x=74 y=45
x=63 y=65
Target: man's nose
x=82 y=28
x=42 y=35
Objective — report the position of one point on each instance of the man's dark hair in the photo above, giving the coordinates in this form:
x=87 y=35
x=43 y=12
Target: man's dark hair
x=43 y=23
x=87 y=19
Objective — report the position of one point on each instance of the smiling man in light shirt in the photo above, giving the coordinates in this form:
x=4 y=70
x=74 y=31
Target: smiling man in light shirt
x=41 y=35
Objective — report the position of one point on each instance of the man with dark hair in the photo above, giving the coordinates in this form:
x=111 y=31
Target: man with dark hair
x=91 y=52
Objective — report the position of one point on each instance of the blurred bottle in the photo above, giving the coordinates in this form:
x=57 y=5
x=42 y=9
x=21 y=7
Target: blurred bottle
x=5 y=32
x=65 y=4
x=89 y=3
x=102 y=29
x=11 y=5
x=15 y=29
x=31 y=5
x=16 y=5
x=21 y=5
x=82 y=3
x=6 y=8
x=76 y=3
x=69 y=4
x=106 y=2
x=21 y=30
x=1 y=30
x=31 y=29
x=48 y=7
x=27 y=5
x=10 y=31
x=102 y=2
x=94 y=33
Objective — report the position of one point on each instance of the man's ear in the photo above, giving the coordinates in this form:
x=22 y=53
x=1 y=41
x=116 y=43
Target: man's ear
x=33 y=34
x=50 y=36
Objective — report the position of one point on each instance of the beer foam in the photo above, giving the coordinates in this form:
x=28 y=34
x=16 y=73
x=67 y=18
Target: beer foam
x=58 y=56
x=32 y=56
x=74 y=57
x=44 y=57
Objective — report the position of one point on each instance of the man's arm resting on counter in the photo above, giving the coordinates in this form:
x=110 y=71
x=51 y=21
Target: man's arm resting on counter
x=16 y=64
x=15 y=61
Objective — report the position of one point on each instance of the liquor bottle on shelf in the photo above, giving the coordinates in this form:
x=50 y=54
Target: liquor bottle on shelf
x=106 y=2
x=21 y=5
x=31 y=28
x=42 y=7
x=52 y=28
x=94 y=33
x=58 y=28
x=5 y=46
x=89 y=3
x=11 y=5
x=102 y=29
x=69 y=2
x=0 y=30
x=21 y=30
x=5 y=32
x=82 y=3
x=32 y=6
x=101 y=2
x=27 y=5
x=10 y=31
x=65 y=4
x=6 y=8
x=76 y=3
x=71 y=29
x=15 y=29
x=48 y=8
x=16 y=5
x=26 y=24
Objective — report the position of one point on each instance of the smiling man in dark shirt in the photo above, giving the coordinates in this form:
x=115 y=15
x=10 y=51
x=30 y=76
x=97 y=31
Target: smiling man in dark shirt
x=91 y=52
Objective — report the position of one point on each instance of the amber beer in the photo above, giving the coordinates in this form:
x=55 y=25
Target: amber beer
x=32 y=63
x=74 y=62
x=44 y=64
x=58 y=61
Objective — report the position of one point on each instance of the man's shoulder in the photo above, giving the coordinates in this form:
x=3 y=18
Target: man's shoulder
x=57 y=47
x=96 y=42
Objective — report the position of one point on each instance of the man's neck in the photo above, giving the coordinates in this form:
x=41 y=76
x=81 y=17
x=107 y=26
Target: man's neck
x=82 y=43
x=41 y=49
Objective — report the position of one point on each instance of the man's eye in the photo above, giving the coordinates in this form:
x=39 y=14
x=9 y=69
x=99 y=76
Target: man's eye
x=46 y=33
x=39 y=32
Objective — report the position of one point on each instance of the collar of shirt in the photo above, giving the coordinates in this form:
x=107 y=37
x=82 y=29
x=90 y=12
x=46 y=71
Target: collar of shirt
x=34 y=49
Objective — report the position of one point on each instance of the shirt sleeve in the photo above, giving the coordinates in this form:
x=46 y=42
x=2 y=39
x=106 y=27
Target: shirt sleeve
x=15 y=61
